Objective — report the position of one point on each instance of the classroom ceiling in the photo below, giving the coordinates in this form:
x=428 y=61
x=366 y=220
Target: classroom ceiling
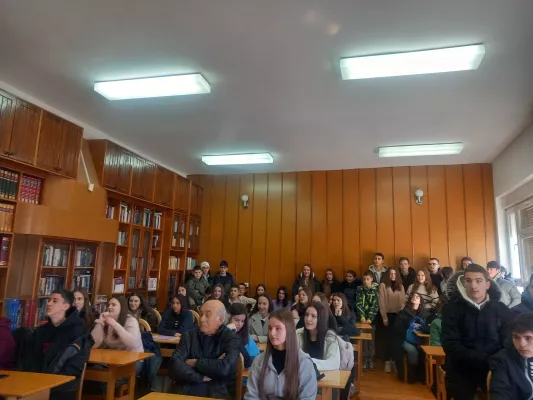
x=273 y=66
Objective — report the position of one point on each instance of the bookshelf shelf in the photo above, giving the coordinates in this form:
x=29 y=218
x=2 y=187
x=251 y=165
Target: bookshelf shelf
x=92 y=267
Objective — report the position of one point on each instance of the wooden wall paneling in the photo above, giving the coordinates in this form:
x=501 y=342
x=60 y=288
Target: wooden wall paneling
x=49 y=147
x=385 y=214
x=319 y=238
x=288 y=231
x=273 y=233
x=207 y=182
x=303 y=221
x=216 y=234
x=350 y=226
x=420 y=218
x=7 y=113
x=402 y=196
x=244 y=245
x=455 y=206
x=25 y=132
x=474 y=213
x=334 y=251
x=367 y=218
x=489 y=207
x=438 y=224
x=231 y=221
x=194 y=199
x=70 y=149
x=259 y=226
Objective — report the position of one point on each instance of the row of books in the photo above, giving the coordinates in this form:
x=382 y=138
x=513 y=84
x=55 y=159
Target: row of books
x=54 y=256
x=85 y=257
x=5 y=243
x=7 y=212
x=191 y=263
x=109 y=211
x=124 y=213
x=30 y=189
x=118 y=261
x=100 y=304
x=49 y=283
x=122 y=237
x=8 y=184
x=83 y=280
x=173 y=262
x=181 y=241
x=158 y=217
x=131 y=282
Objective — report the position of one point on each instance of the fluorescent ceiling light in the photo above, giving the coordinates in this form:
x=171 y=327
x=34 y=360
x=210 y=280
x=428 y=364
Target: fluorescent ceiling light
x=162 y=86
x=413 y=63
x=421 y=150
x=239 y=159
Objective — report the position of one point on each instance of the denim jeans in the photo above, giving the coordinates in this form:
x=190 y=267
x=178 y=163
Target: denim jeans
x=412 y=353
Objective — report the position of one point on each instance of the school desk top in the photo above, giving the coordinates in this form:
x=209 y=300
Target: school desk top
x=116 y=357
x=24 y=384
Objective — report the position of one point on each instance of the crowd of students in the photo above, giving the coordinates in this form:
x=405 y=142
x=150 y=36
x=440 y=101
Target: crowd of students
x=467 y=312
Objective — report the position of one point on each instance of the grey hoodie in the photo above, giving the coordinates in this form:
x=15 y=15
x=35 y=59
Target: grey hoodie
x=510 y=295
x=274 y=384
x=378 y=276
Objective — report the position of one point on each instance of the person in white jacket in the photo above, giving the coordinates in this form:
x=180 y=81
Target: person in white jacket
x=317 y=340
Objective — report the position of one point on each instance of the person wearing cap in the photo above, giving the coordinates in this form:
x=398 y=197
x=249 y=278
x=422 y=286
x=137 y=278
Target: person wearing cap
x=206 y=275
x=510 y=295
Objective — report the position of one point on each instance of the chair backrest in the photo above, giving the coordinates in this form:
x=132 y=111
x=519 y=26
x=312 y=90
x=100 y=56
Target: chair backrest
x=79 y=393
x=489 y=378
x=238 y=380
x=145 y=326
x=196 y=317
x=158 y=316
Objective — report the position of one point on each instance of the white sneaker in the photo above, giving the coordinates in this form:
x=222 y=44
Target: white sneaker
x=387 y=366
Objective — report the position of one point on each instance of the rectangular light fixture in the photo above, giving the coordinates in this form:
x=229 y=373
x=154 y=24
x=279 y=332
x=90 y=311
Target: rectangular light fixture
x=413 y=63
x=175 y=85
x=439 y=149
x=239 y=159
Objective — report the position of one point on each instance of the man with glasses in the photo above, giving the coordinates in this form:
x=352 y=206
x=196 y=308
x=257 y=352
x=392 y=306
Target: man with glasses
x=434 y=273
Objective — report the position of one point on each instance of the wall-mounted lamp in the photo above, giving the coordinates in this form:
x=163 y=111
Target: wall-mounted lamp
x=419 y=193
x=244 y=199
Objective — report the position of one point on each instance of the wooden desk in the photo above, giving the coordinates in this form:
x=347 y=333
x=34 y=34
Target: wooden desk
x=30 y=385
x=120 y=364
x=423 y=336
x=262 y=346
x=160 y=339
x=168 y=396
x=362 y=325
x=434 y=356
x=359 y=348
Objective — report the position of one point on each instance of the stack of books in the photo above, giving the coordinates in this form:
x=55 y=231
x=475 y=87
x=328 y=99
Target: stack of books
x=109 y=211
x=7 y=212
x=118 y=261
x=82 y=279
x=55 y=256
x=173 y=262
x=158 y=216
x=191 y=263
x=8 y=184
x=147 y=218
x=5 y=242
x=50 y=283
x=122 y=237
x=84 y=257
x=30 y=190
x=125 y=213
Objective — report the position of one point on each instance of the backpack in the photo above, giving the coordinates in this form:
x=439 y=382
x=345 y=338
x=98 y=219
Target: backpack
x=347 y=356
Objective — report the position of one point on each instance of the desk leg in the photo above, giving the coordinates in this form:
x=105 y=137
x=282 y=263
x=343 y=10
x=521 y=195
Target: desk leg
x=132 y=385
x=110 y=384
x=327 y=393
x=429 y=371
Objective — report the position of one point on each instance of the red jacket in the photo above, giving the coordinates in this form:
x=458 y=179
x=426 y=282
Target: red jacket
x=7 y=345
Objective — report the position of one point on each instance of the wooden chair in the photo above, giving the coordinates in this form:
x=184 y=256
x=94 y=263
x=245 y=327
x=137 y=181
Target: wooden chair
x=158 y=316
x=441 y=384
x=79 y=393
x=196 y=317
x=489 y=378
x=238 y=381
x=145 y=326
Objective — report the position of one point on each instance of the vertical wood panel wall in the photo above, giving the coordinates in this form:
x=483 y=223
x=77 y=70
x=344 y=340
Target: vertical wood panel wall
x=338 y=219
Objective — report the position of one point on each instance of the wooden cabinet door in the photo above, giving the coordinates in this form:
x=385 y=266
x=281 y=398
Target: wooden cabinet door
x=50 y=139
x=194 y=200
x=164 y=186
x=25 y=132
x=111 y=164
x=148 y=180
x=7 y=114
x=200 y=200
x=125 y=160
x=137 y=178
x=184 y=201
x=168 y=195
x=70 y=149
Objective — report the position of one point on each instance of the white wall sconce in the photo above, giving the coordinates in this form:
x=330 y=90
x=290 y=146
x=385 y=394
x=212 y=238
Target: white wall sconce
x=244 y=199
x=419 y=193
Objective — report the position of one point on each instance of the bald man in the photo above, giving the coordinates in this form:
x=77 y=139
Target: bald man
x=205 y=360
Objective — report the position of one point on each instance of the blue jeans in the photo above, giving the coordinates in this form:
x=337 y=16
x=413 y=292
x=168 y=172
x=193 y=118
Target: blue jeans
x=412 y=353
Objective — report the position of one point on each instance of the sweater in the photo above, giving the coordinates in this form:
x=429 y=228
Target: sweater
x=378 y=276
x=109 y=341
x=172 y=323
x=367 y=303
x=430 y=299
x=257 y=328
x=390 y=302
x=332 y=354
x=435 y=330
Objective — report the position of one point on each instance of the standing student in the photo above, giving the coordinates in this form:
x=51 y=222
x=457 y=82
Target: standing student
x=425 y=288
x=330 y=285
x=239 y=323
x=177 y=319
x=473 y=329
x=283 y=371
x=140 y=310
x=349 y=288
x=259 y=318
x=510 y=295
x=378 y=268
x=366 y=309
x=407 y=273
x=391 y=302
x=206 y=275
x=224 y=278
x=434 y=273
x=344 y=316
x=235 y=297
x=317 y=340
x=196 y=286
x=83 y=305
x=307 y=280
x=282 y=300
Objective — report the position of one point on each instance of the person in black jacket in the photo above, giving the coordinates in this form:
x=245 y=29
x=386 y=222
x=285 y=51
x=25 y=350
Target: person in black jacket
x=349 y=288
x=473 y=329
x=177 y=319
x=61 y=346
x=224 y=278
x=407 y=273
x=206 y=358
x=526 y=305
x=434 y=273
x=330 y=285
x=345 y=318
x=306 y=280
x=512 y=367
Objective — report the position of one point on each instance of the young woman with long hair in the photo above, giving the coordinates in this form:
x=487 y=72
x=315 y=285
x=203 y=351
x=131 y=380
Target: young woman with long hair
x=282 y=299
x=343 y=315
x=259 y=290
x=83 y=305
x=283 y=370
x=330 y=285
x=306 y=279
x=391 y=301
x=218 y=294
x=183 y=290
x=332 y=322
x=304 y=299
x=177 y=319
x=425 y=288
x=259 y=318
x=238 y=321
x=317 y=340
x=141 y=310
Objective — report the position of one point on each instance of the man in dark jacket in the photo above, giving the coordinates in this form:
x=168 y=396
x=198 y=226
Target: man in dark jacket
x=407 y=273
x=512 y=367
x=434 y=273
x=61 y=346
x=206 y=358
x=526 y=305
x=473 y=329
x=224 y=278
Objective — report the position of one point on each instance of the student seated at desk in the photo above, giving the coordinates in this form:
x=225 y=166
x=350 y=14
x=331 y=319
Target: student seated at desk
x=332 y=322
x=177 y=319
x=239 y=323
x=303 y=300
x=282 y=300
x=283 y=370
x=317 y=340
x=141 y=310
x=218 y=294
x=259 y=318
x=206 y=358
x=235 y=297
x=83 y=305
x=184 y=291
x=344 y=316
x=61 y=346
